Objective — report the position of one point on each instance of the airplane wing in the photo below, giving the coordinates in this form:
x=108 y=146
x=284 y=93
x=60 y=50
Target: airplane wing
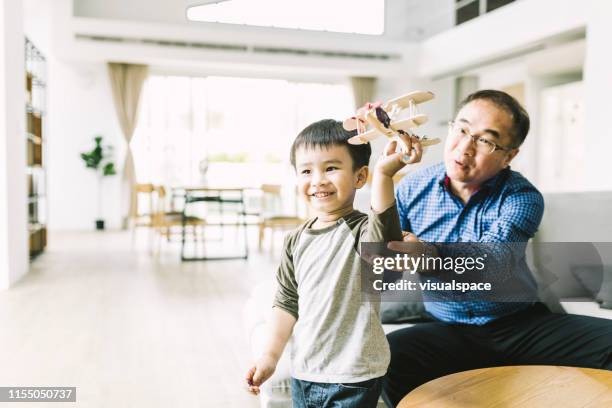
x=373 y=134
x=365 y=137
x=403 y=101
x=430 y=142
x=409 y=123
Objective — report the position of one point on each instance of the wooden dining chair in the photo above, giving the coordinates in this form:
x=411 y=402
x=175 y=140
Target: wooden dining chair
x=145 y=209
x=169 y=223
x=272 y=216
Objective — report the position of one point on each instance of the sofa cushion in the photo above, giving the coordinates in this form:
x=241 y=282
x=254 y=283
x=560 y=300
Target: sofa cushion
x=605 y=294
x=401 y=312
x=597 y=280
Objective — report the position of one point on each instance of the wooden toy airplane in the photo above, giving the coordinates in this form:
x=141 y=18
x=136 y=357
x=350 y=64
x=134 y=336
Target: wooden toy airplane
x=380 y=117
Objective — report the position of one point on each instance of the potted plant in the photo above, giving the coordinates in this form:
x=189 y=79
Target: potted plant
x=99 y=159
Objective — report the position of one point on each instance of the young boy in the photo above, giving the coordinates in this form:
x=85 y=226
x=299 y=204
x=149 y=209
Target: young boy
x=339 y=351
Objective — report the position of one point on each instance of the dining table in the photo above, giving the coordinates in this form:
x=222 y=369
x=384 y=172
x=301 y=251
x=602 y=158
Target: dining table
x=228 y=200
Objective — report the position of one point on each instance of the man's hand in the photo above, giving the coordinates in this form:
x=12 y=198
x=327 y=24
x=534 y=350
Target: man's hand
x=413 y=246
x=410 y=244
x=260 y=372
x=391 y=161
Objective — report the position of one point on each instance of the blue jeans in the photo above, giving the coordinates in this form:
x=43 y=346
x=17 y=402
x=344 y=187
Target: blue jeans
x=307 y=394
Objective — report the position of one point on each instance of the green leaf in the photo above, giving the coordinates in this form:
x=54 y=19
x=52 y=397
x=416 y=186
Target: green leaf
x=94 y=158
x=109 y=169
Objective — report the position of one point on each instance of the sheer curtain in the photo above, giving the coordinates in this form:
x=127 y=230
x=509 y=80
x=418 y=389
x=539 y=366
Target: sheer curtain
x=126 y=83
x=364 y=90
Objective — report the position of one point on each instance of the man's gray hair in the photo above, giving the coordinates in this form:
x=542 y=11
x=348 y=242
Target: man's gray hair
x=520 y=117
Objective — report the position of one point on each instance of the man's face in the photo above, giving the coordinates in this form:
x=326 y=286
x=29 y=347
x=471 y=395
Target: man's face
x=466 y=164
x=326 y=179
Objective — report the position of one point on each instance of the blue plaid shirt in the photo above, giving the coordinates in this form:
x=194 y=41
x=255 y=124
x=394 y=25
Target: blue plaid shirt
x=506 y=209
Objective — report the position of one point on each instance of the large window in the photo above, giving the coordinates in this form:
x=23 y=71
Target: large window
x=345 y=16
x=240 y=129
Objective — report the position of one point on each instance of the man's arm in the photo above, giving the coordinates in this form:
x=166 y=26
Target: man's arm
x=519 y=218
x=402 y=190
x=503 y=243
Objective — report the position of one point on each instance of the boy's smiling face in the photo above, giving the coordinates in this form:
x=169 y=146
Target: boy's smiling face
x=327 y=181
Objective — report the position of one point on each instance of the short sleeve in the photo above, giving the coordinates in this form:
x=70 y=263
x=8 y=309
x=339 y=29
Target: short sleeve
x=286 y=296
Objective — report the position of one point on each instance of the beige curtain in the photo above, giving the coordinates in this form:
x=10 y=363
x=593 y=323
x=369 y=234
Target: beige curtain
x=364 y=90
x=127 y=81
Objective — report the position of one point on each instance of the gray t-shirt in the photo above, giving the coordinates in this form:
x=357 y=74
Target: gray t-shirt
x=338 y=337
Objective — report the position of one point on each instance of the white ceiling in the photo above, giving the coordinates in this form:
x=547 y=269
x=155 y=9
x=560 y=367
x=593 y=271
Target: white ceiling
x=417 y=41
x=134 y=30
x=408 y=20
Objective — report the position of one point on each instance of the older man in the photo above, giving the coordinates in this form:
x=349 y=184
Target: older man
x=474 y=197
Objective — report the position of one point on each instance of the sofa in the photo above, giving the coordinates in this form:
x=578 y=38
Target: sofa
x=568 y=217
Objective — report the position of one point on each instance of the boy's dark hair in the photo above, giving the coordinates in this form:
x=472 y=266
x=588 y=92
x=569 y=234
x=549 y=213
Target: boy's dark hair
x=520 y=117
x=329 y=132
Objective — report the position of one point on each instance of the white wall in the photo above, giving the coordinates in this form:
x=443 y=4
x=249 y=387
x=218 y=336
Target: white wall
x=38 y=24
x=414 y=20
x=13 y=205
x=80 y=106
x=598 y=104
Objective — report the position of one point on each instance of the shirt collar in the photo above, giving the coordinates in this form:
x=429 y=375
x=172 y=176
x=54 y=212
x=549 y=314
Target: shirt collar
x=491 y=183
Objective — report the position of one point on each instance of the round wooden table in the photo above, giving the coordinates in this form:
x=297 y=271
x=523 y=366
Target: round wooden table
x=516 y=386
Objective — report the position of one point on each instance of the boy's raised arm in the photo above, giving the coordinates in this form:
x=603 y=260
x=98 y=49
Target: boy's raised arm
x=387 y=165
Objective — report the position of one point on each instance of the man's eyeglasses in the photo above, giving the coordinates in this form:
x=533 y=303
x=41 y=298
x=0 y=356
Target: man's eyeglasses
x=483 y=145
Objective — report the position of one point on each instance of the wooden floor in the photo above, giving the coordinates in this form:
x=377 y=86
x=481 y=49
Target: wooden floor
x=126 y=329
